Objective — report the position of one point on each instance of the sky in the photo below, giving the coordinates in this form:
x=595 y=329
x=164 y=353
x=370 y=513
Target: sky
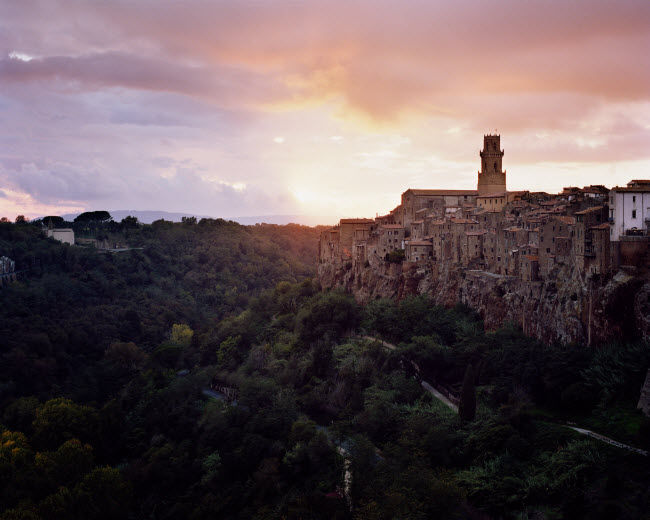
x=321 y=108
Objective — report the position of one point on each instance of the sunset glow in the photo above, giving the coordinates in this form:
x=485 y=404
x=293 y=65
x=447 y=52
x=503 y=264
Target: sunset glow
x=313 y=108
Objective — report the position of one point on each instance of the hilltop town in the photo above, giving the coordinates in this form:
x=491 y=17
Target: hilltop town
x=468 y=245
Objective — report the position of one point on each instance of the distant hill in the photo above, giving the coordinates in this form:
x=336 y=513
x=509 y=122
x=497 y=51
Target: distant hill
x=147 y=217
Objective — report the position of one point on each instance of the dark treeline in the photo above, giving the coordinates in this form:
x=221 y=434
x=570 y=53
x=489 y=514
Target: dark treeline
x=110 y=364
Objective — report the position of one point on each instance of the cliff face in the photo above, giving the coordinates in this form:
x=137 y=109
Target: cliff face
x=567 y=308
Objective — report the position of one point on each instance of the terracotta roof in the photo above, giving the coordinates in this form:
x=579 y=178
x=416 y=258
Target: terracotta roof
x=589 y=210
x=636 y=189
x=566 y=220
x=455 y=220
x=532 y=258
x=595 y=189
x=391 y=226
x=420 y=193
x=356 y=221
x=601 y=226
x=417 y=221
x=475 y=233
x=419 y=243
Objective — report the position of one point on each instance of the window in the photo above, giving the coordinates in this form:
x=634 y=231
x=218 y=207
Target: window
x=633 y=213
x=633 y=198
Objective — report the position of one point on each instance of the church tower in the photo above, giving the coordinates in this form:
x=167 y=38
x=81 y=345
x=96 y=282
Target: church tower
x=491 y=178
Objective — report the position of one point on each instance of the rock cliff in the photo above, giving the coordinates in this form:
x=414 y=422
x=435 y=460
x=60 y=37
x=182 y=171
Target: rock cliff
x=565 y=308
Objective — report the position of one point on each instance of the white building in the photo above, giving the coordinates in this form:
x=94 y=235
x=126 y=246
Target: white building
x=65 y=235
x=629 y=209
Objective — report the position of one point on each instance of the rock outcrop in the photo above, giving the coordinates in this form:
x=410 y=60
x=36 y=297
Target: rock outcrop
x=565 y=308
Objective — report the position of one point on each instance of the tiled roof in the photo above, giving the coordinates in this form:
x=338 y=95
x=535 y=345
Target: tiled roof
x=589 y=210
x=356 y=221
x=601 y=226
x=420 y=193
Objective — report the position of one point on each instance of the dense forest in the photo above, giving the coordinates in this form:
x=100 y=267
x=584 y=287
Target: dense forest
x=202 y=373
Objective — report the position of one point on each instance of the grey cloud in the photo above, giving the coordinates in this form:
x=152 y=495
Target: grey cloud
x=230 y=86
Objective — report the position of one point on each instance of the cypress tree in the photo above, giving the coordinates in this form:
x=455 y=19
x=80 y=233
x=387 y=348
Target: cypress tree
x=467 y=405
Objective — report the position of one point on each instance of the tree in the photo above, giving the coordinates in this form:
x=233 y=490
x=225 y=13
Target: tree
x=20 y=219
x=129 y=222
x=126 y=355
x=53 y=220
x=467 y=405
x=58 y=420
x=94 y=216
x=181 y=334
x=102 y=494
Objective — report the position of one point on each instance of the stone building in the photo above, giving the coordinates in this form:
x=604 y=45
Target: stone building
x=65 y=235
x=434 y=201
x=587 y=221
x=418 y=251
x=347 y=228
x=629 y=209
x=329 y=246
x=391 y=238
x=527 y=235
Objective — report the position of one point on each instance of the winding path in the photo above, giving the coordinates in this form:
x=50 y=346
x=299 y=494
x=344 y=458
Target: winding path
x=440 y=396
x=607 y=440
x=427 y=386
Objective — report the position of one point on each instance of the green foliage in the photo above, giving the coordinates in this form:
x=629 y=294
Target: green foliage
x=53 y=221
x=467 y=405
x=181 y=334
x=93 y=216
x=327 y=316
x=59 y=420
x=396 y=256
x=109 y=365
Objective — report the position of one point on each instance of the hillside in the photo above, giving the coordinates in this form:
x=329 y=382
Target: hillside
x=207 y=375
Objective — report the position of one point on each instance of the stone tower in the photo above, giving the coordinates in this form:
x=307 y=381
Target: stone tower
x=491 y=178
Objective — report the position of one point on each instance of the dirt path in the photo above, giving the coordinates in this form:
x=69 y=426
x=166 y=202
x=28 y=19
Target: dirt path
x=441 y=397
x=607 y=440
x=427 y=386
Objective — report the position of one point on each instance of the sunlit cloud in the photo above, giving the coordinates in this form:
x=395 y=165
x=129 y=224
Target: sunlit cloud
x=236 y=108
x=20 y=56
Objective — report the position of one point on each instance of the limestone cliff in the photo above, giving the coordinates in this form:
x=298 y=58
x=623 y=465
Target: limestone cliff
x=566 y=308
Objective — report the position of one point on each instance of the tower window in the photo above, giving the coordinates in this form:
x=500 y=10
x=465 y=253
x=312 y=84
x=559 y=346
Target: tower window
x=495 y=166
x=633 y=213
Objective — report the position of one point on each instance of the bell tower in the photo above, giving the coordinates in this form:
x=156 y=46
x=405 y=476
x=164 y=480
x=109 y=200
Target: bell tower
x=491 y=178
